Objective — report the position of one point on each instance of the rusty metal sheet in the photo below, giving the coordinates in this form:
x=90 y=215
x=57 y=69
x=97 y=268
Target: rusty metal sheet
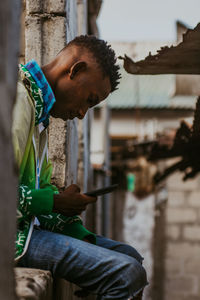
x=181 y=59
x=186 y=84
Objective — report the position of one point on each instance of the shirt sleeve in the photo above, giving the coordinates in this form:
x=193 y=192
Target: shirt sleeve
x=71 y=226
x=22 y=125
x=34 y=202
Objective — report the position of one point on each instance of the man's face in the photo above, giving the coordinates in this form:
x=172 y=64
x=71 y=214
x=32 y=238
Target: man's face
x=85 y=90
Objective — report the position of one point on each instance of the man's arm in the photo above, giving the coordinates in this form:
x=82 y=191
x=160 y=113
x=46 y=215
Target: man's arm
x=45 y=201
x=69 y=202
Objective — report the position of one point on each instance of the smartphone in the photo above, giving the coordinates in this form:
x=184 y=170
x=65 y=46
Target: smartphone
x=102 y=191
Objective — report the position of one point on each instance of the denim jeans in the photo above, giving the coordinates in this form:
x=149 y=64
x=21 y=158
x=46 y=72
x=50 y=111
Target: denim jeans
x=101 y=269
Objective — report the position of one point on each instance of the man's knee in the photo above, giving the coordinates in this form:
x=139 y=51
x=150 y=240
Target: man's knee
x=130 y=251
x=134 y=276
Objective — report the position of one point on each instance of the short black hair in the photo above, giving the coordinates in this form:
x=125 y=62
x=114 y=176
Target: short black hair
x=104 y=55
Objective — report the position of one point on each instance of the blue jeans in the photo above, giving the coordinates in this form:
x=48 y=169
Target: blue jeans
x=101 y=269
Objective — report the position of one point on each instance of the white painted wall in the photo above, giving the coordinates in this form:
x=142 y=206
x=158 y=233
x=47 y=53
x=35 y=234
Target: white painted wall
x=138 y=230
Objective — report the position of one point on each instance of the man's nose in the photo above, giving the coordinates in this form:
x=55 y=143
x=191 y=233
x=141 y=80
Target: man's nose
x=82 y=113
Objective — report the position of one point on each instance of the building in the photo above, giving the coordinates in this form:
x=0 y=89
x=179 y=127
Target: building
x=145 y=107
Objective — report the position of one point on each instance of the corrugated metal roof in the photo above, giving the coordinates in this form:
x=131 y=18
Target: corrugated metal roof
x=185 y=102
x=148 y=92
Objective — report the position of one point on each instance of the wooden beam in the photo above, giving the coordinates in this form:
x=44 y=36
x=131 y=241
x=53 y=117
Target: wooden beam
x=181 y=59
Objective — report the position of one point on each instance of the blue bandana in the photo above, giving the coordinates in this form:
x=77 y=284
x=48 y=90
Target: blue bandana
x=42 y=83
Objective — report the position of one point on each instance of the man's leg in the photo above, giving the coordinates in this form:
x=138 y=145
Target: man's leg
x=119 y=247
x=106 y=273
x=122 y=248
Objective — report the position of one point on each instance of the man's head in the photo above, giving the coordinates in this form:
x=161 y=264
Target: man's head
x=82 y=75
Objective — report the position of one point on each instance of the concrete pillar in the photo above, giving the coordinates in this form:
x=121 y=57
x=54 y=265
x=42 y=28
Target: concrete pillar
x=9 y=46
x=71 y=126
x=83 y=125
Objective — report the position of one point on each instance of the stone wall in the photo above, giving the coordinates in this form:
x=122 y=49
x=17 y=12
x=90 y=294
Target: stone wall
x=182 y=263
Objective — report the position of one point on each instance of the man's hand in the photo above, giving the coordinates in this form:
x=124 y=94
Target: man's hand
x=70 y=202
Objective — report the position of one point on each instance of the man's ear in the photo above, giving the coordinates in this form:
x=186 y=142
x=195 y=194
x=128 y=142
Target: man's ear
x=76 y=68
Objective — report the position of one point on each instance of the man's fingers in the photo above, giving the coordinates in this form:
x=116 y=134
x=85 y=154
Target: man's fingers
x=73 y=188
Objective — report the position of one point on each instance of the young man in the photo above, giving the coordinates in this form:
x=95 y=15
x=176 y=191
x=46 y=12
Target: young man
x=50 y=233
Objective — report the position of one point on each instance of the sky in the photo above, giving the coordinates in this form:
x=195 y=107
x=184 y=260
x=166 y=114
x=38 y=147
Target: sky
x=145 y=20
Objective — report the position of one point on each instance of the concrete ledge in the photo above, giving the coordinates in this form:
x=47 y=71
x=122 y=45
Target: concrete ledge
x=33 y=284
x=36 y=284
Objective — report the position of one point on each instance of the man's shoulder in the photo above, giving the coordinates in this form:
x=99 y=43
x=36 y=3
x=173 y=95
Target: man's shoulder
x=23 y=118
x=21 y=90
x=24 y=106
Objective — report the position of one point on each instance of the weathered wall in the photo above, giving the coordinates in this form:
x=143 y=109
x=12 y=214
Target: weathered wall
x=45 y=36
x=49 y=25
x=138 y=231
x=9 y=46
x=182 y=263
